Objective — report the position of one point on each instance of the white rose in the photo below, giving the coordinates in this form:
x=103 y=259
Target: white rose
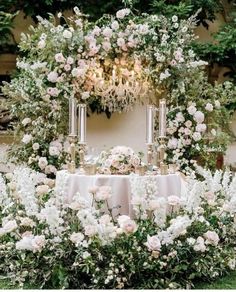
x=172 y=143
x=77 y=237
x=115 y=25
x=191 y=110
x=211 y=238
x=209 y=107
x=49 y=182
x=70 y=60
x=120 y=42
x=54 y=151
x=9 y=226
x=200 y=245
x=126 y=224
x=188 y=123
x=197 y=136
x=153 y=243
x=107 y=32
x=173 y=200
x=27 y=138
x=90 y=230
x=52 y=76
x=67 y=34
x=35 y=146
x=59 y=58
x=106 y=46
x=199 y=117
x=26 y=121
x=105 y=219
x=121 y=219
x=103 y=193
x=42 y=190
x=50 y=169
x=42 y=162
x=129 y=226
x=122 y=13
x=180 y=117
x=201 y=128
x=38 y=242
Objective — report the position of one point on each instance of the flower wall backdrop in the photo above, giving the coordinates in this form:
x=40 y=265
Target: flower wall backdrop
x=110 y=65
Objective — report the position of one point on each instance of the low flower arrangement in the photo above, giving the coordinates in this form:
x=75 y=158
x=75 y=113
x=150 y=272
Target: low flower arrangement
x=118 y=160
x=171 y=243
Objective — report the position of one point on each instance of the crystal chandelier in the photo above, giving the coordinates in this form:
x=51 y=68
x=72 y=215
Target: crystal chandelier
x=126 y=85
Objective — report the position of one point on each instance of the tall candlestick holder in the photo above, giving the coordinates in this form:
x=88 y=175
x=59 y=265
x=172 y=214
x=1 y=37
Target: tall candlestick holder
x=72 y=164
x=161 y=155
x=82 y=152
x=149 y=156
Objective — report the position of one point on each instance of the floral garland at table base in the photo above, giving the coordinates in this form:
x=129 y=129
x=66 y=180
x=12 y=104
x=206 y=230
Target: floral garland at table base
x=175 y=240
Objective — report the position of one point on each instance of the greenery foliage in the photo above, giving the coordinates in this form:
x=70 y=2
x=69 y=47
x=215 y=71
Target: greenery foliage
x=223 y=50
x=7 y=42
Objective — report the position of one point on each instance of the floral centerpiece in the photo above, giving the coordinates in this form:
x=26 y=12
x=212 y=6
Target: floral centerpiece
x=118 y=160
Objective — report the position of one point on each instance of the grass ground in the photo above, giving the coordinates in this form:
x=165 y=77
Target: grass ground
x=227 y=282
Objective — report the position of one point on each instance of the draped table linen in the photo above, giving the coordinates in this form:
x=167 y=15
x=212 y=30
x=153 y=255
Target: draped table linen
x=69 y=185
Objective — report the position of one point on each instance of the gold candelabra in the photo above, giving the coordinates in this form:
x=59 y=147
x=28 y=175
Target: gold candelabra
x=72 y=164
x=161 y=156
x=149 y=156
x=82 y=152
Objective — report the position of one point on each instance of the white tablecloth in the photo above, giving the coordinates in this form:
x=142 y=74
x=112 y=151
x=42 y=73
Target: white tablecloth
x=67 y=185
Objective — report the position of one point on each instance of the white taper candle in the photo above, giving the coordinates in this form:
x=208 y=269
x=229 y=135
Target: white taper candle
x=150 y=124
x=162 y=118
x=72 y=117
x=82 y=123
